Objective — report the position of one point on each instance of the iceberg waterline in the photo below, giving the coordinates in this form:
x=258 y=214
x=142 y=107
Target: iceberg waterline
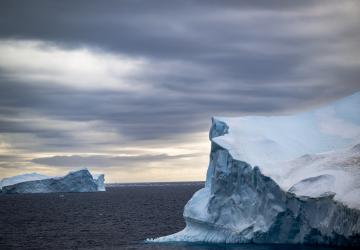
x=291 y=197
x=74 y=181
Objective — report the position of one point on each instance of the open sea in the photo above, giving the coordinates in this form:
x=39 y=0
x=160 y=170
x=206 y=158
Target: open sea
x=120 y=218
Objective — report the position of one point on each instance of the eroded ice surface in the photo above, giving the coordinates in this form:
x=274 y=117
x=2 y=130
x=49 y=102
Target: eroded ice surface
x=304 y=190
x=74 y=181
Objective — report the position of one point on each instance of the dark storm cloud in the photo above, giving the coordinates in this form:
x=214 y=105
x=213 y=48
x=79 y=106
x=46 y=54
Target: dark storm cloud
x=158 y=28
x=137 y=116
x=205 y=58
x=106 y=161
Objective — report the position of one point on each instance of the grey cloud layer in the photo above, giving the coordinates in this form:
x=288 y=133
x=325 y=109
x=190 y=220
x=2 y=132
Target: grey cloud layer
x=106 y=161
x=204 y=58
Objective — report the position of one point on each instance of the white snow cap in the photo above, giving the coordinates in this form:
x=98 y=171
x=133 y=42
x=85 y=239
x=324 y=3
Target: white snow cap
x=21 y=178
x=291 y=149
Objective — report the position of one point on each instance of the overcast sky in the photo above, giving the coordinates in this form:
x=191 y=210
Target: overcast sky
x=128 y=88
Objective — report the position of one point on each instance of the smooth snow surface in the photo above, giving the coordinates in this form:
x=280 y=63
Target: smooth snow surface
x=260 y=140
x=284 y=179
x=315 y=186
x=22 y=178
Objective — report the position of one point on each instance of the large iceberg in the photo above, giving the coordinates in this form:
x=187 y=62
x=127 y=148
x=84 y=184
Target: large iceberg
x=75 y=181
x=286 y=179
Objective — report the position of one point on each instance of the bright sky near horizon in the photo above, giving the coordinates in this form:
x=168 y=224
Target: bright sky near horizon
x=128 y=88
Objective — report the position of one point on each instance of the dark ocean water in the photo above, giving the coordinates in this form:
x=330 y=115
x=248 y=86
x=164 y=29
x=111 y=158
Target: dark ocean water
x=120 y=218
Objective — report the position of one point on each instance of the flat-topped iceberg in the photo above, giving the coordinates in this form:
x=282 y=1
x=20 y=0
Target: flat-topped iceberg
x=288 y=179
x=75 y=181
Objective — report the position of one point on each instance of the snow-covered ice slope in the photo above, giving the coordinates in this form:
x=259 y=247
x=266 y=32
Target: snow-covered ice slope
x=21 y=178
x=75 y=181
x=289 y=179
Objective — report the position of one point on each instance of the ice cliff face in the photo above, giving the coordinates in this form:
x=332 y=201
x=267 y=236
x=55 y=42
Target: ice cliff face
x=100 y=182
x=240 y=204
x=77 y=181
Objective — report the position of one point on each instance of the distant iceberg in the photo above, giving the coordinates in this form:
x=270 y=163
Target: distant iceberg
x=75 y=181
x=283 y=179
